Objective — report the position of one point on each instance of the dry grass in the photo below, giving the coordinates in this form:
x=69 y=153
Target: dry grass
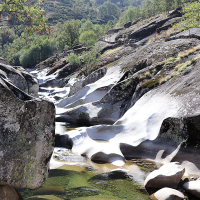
x=188 y=52
x=179 y=68
x=111 y=51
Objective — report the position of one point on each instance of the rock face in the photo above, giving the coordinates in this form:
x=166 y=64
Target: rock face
x=20 y=78
x=193 y=187
x=114 y=30
x=27 y=131
x=150 y=28
x=169 y=175
x=167 y=194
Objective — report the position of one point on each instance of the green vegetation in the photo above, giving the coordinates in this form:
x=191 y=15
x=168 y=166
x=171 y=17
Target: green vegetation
x=26 y=13
x=72 y=58
x=89 y=59
x=191 y=16
x=18 y=48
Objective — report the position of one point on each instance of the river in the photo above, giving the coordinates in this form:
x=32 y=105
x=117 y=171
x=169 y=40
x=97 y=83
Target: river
x=76 y=177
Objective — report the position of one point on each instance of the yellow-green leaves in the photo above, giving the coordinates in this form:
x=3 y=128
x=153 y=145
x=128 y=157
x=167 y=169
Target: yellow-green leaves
x=23 y=12
x=191 y=17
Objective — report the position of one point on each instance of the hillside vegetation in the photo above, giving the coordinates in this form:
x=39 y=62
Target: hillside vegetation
x=73 y=22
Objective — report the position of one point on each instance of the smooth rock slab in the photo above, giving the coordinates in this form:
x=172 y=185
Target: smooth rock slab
x=167 y=194
x=169 y=175
x=193 y=187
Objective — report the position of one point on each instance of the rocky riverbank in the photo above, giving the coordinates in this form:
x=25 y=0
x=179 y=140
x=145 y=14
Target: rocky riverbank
x=142 y=99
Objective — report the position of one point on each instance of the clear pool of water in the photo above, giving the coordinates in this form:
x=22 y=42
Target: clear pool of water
x=74 y=177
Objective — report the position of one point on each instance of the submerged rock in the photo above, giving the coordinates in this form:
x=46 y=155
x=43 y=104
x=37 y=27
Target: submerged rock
x=169 y=175
x=53 y=190
x=8 y=192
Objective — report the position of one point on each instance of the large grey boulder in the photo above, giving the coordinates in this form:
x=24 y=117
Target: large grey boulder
x=192 y=187
x=167 y=194
x=169 y=175
x=27 y=130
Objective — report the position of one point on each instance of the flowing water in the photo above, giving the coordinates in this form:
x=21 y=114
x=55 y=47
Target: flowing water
x=75 y=177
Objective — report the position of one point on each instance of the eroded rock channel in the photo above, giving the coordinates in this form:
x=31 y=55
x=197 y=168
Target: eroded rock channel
x=140 y=103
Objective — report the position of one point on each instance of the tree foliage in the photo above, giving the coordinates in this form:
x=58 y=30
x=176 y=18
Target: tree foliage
x=109 y=11
x=191 y=17
x=68 y=36
x=23 y=12
x=88 y=37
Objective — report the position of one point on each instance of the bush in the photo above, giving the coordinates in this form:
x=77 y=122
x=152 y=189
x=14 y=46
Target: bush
x=73 y=59
x=88 y=37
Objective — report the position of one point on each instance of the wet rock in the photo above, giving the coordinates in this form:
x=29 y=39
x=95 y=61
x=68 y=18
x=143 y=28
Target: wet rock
x=167 y=194
x=63 y=141
x=90 y=168
x=27 y=130
x=53 y=190
x=8 y=192
x=192 y=187
x=169 y=175
x=44 y=197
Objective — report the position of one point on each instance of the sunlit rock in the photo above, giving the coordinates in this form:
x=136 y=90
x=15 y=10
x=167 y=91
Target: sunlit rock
x=193 y=187
x=167 y=194
x=169 y=175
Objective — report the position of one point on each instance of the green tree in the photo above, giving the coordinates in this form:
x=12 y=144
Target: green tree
x=191 y=18
x=87 y=26
x=72 y=58
x=109 y=11
x=88 y=37
x=40 y=49
x=90 y=59
x=23 y=12
x=69 y=34
x=167 y=5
